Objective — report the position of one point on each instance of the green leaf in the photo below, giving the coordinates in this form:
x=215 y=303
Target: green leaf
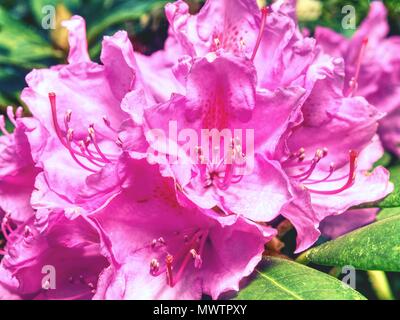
x=393 y=199
x=38 y=5
x=374 y=247
x=124 y=11
x=11 y=82
x=388 y=213
x=282 y=279
x=20 y=45
x=384 y=161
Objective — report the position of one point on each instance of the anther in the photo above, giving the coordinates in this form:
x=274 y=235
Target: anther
x=197 y=259
x=106 y=121
x=169 y=260
x=70 y=135
x=119 y=142
x=154 y=267
x=27 y=231
x=68 y=115
x=350 y=178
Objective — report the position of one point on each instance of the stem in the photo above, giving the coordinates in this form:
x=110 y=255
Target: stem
x=380 y=284
x=335 y=272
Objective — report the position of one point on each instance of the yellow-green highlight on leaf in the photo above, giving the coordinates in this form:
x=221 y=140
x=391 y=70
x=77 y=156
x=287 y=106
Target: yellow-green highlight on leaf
x=280 y=279
x=380 y=284
x=388 y=213
x=374 y=247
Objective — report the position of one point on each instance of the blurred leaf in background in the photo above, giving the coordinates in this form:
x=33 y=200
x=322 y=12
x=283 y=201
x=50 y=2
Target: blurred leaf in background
x=25 y=44
x=331 y=14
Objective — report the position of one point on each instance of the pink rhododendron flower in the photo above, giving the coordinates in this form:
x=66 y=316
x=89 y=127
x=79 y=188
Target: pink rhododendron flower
x=160 y=250
x=160 y=177
x=332 y=150
x=71 y=251
x=85 y=172
x=325 y=177
x=17 y=170
x=216 y=103
x=78 y=107
x=336 y=226
x=372 y=68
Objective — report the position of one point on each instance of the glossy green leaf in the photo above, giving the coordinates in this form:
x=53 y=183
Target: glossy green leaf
x=388 y=213
x=374 y=247
x=282 y=279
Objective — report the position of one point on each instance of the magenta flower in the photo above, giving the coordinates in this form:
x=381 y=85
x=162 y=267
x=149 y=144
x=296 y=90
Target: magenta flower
x=84 y=157
x=372 y=68
x=217 y=104
x=160 y=250
x=17 y=170
x=68 y=251
x=324 y=176
x=269 y=38
x=331 y=152
x=78 y=107
x=160 y=177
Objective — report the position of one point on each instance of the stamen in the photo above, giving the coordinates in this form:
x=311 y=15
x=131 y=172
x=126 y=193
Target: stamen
x=319 y=154
x=27 y=231
x=197 y=259
x=108 y=124
x=192 y=253
x=68 y=116
x=67 y=142
x=88 y=151
x=353 y=85
x=154 y=267
x=222 y=171
x=70 y=136
x=169 y=260
x=92 y=135
x=331 y=171
x=298 y=156
x=350 y=180
x=217 y=42
x=84 y=149
x=192 y=249
x=52 y=98
x=264 y=14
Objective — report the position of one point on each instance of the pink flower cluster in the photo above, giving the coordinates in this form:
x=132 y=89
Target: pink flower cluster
x=88 y=192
